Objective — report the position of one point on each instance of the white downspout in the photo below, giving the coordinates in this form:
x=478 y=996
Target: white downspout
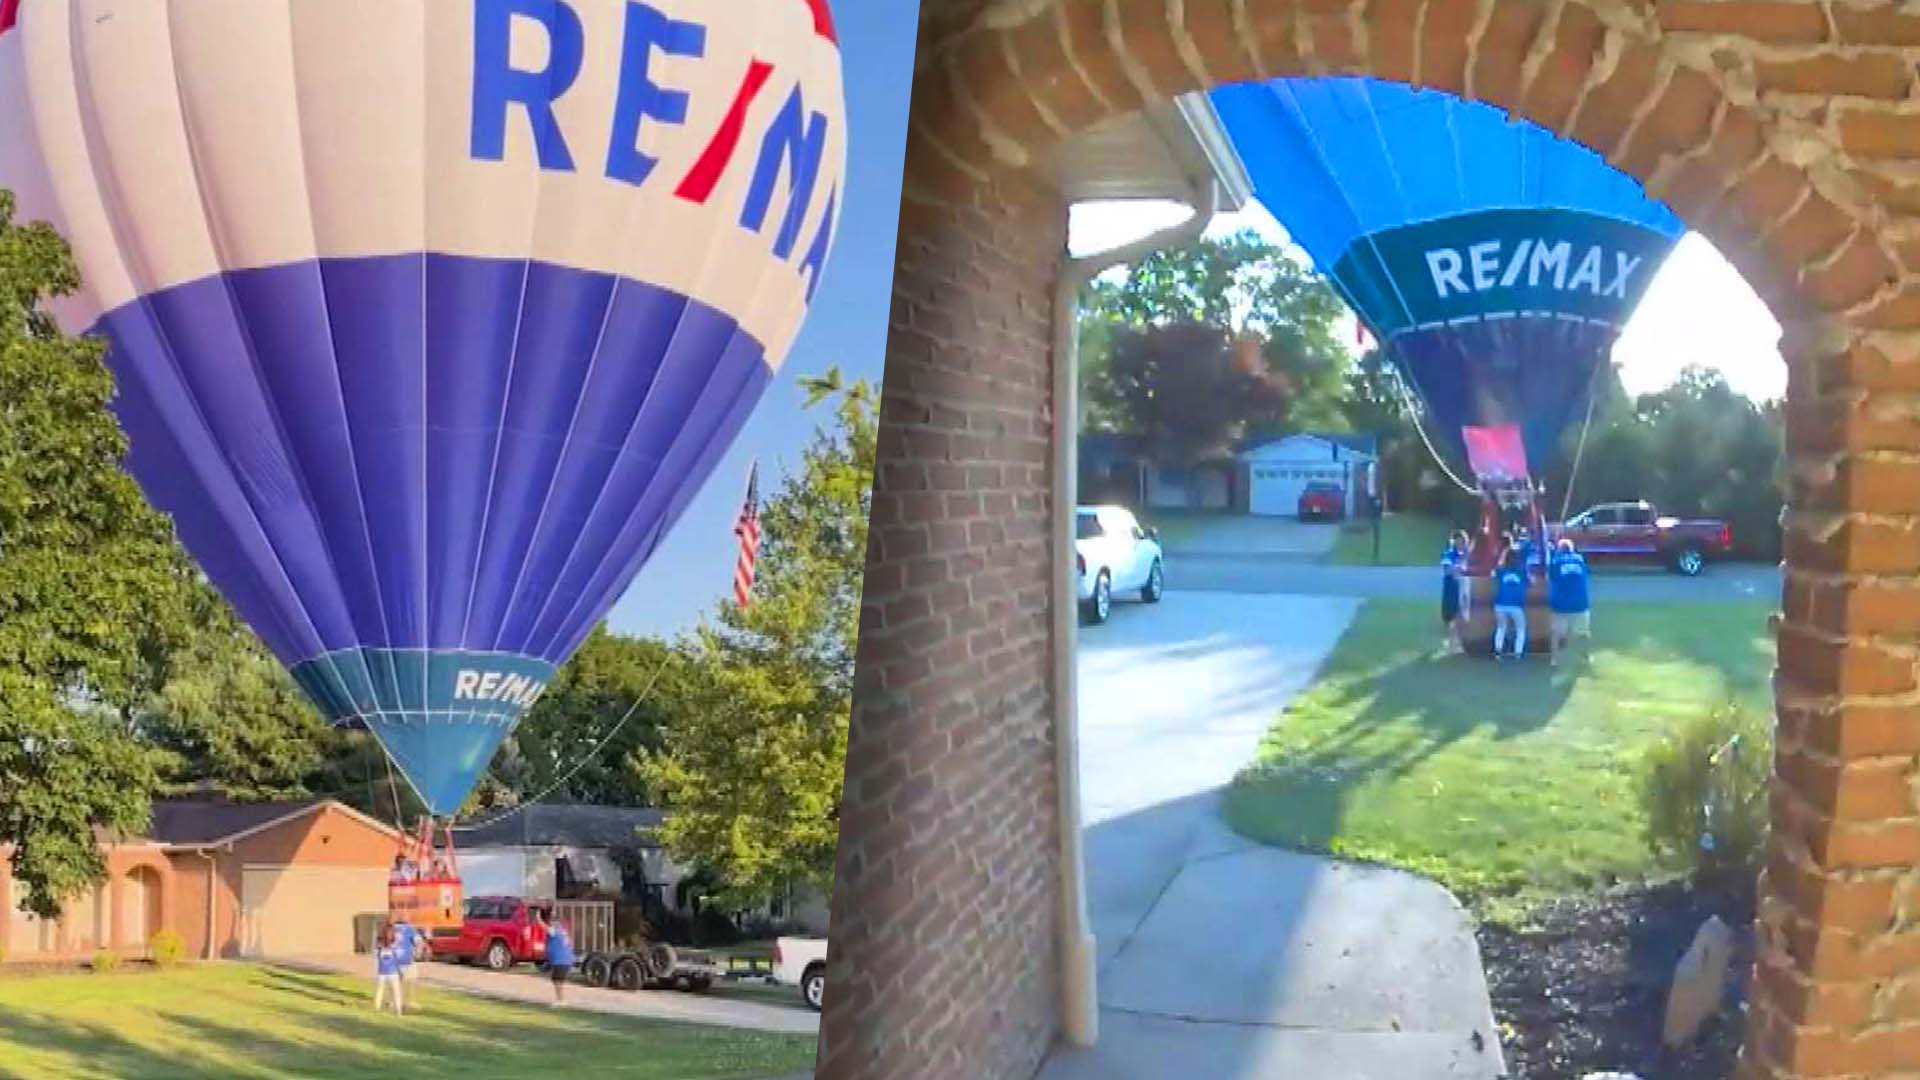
x=1080 y=1004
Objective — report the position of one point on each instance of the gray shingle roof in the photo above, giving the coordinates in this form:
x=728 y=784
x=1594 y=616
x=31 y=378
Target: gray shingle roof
x=205 y=821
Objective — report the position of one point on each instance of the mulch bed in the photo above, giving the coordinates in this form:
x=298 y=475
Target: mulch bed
x=1583 y=987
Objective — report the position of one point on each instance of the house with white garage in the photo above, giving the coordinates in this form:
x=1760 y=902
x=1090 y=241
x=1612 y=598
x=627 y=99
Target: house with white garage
x=1277 y=471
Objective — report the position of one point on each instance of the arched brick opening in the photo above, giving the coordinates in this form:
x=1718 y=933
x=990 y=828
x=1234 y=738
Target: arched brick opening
x=1784 y=131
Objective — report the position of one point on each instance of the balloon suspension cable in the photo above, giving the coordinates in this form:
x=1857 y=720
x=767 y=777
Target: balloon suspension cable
x=1414 y=414
x=1580 y=448
x=393 y=792
x=645 y=692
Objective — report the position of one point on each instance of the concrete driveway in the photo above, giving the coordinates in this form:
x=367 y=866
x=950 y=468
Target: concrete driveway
x=526 y=986
x=1220 y=957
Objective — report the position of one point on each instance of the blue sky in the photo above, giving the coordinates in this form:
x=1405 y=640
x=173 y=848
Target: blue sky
x=848 y=326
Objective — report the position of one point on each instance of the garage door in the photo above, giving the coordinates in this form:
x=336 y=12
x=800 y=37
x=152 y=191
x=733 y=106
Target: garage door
x=1275 y=488
x=306 y=910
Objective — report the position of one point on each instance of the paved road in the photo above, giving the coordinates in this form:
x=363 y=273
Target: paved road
x=1220 y=957
x=1239 y=573
x=1242 y=534
x=525 y=986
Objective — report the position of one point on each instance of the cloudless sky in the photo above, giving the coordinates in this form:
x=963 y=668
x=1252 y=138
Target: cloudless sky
x=1699 y=310
x=693 y=569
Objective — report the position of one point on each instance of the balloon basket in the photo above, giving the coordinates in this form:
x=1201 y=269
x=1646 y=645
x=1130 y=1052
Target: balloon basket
x=1477 y=634
x=424 y=888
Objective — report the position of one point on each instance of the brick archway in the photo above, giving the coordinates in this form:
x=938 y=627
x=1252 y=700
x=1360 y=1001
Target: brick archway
x=1777 y=129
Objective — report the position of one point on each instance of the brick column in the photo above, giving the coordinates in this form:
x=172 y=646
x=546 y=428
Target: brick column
x=946 y=899
x=1838 y=971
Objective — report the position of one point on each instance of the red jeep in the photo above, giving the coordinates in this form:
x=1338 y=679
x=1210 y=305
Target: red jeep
x=498 y=931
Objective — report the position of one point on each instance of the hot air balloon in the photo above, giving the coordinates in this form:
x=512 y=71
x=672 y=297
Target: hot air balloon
x=429 y=317
x=1495 y=262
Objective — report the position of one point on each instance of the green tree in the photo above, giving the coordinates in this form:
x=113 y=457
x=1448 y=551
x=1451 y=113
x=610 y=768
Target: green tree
x=230 y=716
x=1242 y=285
x=1187 y=391
x=751 y=761
x=92 y=587
x=572 y=745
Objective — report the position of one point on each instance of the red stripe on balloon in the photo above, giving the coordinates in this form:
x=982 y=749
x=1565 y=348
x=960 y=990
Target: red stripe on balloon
x=706 y=172
x=823 y=20
x=10 y=12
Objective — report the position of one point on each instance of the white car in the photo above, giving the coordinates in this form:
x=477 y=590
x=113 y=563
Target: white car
x=1115 y=555
x=802 y=962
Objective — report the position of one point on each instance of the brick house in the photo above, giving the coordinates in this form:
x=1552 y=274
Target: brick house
x=233 y=879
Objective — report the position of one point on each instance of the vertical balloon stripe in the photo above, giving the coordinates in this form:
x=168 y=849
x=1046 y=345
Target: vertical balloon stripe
x=563 y=317
x=473 y=311
x=585 y=590
x=697 y=350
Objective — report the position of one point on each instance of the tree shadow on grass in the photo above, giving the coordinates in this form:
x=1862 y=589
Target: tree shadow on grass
x=87 y=1050
x=1397 y=718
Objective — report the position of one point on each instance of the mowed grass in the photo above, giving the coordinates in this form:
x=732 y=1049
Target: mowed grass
x=242 y=1020
x=1405 y=540
x=1506 y=783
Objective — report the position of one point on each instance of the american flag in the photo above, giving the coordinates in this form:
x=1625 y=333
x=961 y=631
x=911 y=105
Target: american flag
x=748 y=530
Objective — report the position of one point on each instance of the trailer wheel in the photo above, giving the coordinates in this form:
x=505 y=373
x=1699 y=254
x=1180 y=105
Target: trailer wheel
x=700 y=984
x=660 y=961
x=627 y=974
x=597 y=970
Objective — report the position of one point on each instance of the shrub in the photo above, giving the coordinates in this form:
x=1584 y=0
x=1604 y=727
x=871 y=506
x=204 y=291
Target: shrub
x=1704 y=787
x=104 y=961
x=168 y=948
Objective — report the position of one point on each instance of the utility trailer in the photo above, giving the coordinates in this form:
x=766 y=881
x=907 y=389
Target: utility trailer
x=655 y=966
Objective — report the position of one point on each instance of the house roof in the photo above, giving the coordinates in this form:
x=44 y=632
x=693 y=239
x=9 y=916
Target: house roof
x=565 y=825
x=206 y=822
x=1358 y=442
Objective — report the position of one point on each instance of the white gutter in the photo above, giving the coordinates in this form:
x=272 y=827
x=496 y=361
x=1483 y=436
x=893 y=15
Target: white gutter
x=1080 y=1004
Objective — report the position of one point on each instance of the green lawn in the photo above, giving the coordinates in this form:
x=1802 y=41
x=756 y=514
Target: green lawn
x=242 y=1020
x=1507 y=783
x=1405 y=540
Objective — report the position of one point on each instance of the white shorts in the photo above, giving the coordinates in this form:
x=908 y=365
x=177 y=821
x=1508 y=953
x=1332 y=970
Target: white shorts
x=409 y=972
x=1569 y=625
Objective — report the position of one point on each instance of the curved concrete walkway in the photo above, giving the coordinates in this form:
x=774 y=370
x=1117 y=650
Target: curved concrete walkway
x=1224 y=958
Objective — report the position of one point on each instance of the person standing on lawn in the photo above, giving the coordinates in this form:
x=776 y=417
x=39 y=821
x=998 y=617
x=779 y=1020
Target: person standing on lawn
x=1569 y=597
x=386 y=972
x=560 y=958
x=1510 y=605
x=405 y=940
x=1456 y=592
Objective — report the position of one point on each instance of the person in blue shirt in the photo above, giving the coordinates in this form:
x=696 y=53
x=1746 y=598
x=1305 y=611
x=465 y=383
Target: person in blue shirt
x=405 y=938
x=560 y=958
x=386 y=972
x=1510 y=606
x=1456 y=592
x=1569 y=597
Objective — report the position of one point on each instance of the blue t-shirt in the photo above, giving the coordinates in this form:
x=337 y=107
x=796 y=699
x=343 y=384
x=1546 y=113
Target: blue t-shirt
x=387 y=960
x=404 y=936
x=559 y=947
x=1567 y=583
x=1510 y=587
